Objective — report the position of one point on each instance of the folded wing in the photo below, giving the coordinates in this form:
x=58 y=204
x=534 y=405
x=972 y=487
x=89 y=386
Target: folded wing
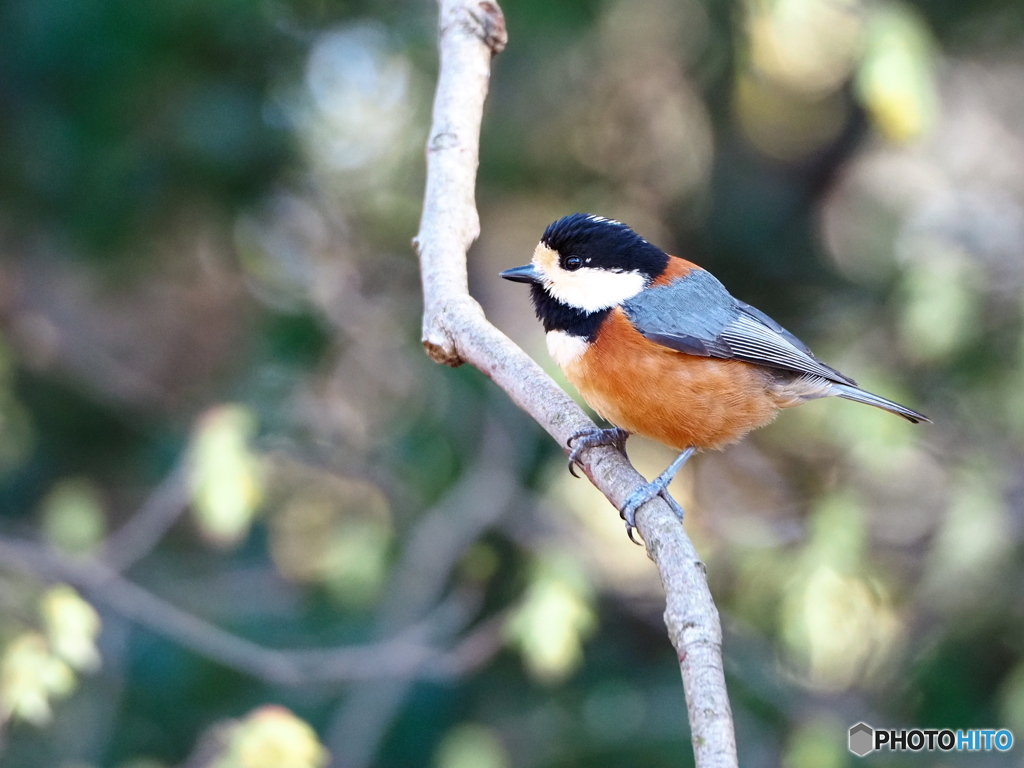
x=696 y=315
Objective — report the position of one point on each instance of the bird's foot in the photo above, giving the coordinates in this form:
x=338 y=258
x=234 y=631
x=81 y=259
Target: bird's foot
x=593 y=437
x=657 y=487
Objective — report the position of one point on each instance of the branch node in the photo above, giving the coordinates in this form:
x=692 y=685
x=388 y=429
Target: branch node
x=439 y=341
x=495 y=34
x=443 y=140
x=443 y=353
x=485 y=22
x=441 y=328
x=455 y=330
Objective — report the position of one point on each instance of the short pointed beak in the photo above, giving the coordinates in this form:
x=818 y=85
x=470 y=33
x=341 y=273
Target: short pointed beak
x=525 y=274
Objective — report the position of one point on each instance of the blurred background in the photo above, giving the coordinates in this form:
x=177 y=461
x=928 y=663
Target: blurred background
x=246 y=523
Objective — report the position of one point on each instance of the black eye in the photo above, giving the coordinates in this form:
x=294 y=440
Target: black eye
x=572 y=263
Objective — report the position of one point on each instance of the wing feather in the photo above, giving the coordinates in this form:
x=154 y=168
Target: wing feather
x=756 y=343
x=695 y=314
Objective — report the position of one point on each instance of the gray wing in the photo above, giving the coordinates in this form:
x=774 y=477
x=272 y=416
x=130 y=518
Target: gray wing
x=697 y=315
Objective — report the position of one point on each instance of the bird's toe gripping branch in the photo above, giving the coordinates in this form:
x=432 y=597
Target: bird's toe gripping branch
x=657 y=487
x=593 y=437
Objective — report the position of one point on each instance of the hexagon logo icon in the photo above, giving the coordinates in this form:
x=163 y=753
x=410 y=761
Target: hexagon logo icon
x=862 y=739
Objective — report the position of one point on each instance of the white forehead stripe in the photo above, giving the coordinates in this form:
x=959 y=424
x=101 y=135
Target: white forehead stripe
x=565 y=349
x=592 y=289
x=605 y=220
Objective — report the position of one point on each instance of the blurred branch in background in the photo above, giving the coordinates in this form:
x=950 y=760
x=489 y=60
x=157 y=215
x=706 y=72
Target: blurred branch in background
x=415 y=629
x=434 y=547
x=143 y=531
x=407 y=654
x=205 y=212
x=456 y=331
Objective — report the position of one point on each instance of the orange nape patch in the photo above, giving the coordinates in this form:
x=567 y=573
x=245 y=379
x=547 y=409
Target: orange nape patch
x=676 y=268
x=677 y=399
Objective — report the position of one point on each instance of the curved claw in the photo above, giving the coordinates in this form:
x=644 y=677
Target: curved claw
x=641 y=496
x=586 y=439
x=632 y=506
x=637 y=499
x=657 y=487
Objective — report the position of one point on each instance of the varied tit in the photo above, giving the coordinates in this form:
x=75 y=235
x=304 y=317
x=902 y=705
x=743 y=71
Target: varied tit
x=658 y=347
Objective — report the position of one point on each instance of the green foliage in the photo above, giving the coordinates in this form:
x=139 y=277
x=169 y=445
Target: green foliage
x=125 y=111
x=471 y=746
x=271 y=737
x=246 y=178
x=896 y=77
x=30 y=677
x=553 y=619
x=39 y=667
x=73 y=517
x=226 y=477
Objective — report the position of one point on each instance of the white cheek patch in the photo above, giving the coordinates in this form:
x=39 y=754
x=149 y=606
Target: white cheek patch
x=565 y=349
x=592 y=289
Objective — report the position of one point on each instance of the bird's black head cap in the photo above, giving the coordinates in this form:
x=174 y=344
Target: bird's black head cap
x=604 y=244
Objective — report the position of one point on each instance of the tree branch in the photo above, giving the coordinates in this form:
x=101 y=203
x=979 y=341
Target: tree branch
x=405 y=655
x=429 y=553
x=455 y=331
x=137 y=537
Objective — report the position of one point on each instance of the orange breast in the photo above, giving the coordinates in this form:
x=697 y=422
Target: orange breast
x=677 y=399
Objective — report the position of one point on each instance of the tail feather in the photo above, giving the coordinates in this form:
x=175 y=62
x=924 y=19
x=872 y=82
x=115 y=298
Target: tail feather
x=861 y=396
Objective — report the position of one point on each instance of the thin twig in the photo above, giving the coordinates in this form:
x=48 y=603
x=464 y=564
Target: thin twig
x=430 y=552
x=402 y=656
x=455 y=331
x=143 y=531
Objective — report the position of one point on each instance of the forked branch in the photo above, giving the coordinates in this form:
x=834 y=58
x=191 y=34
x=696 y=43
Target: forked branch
x=455 y=331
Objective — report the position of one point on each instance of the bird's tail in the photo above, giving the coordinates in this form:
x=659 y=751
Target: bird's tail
x=860 y=396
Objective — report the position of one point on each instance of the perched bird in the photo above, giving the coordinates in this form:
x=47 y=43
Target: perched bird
x=658 y=347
